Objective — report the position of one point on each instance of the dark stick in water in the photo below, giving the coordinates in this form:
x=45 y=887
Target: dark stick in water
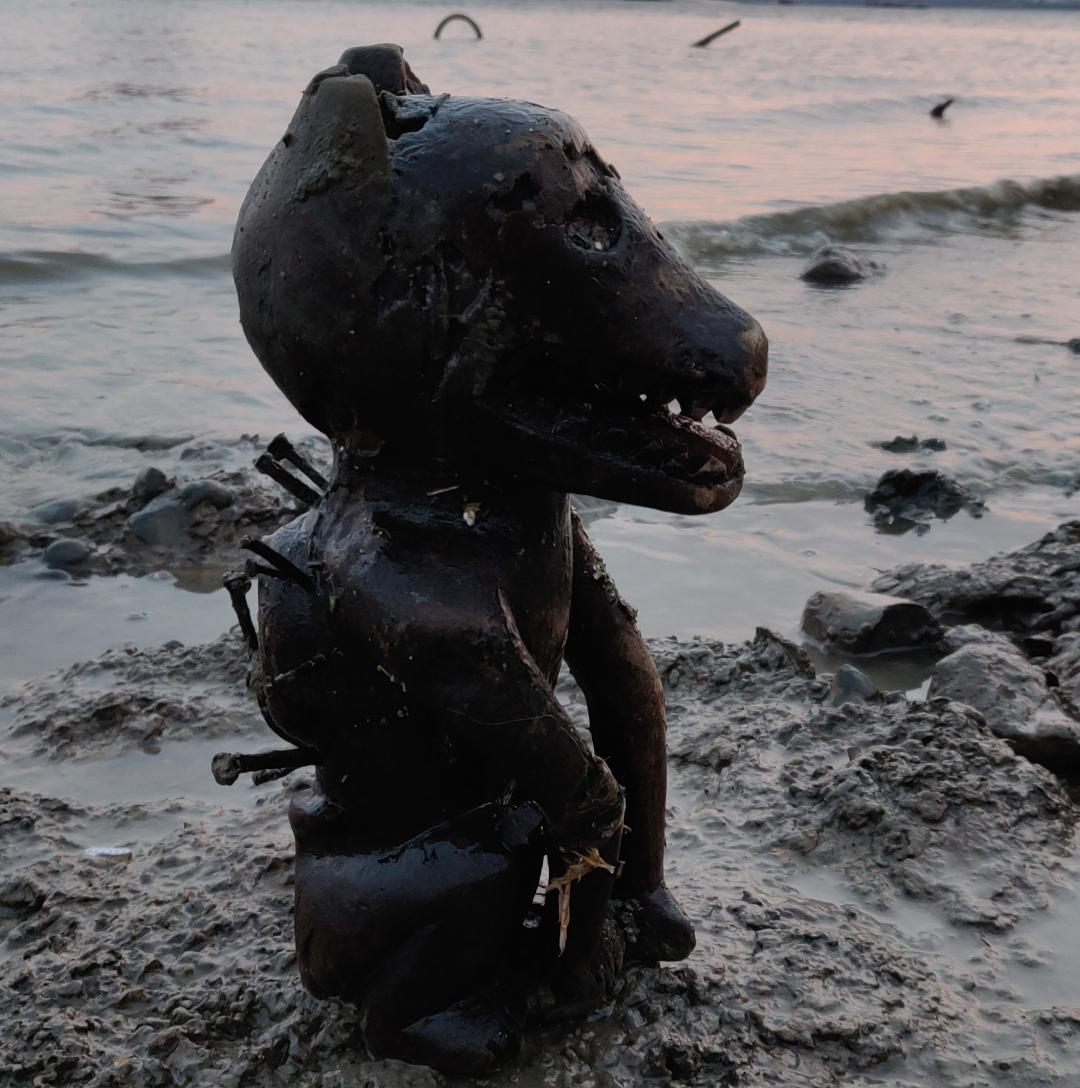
x=463 y=18
x=939 y=110
x=710 y=38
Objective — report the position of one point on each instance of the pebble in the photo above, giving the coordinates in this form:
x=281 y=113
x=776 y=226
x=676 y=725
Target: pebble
x=66 y=552
x=51 y=513
x=162 y=522
x=150 y=483
x=850 y=685
x=200 y=491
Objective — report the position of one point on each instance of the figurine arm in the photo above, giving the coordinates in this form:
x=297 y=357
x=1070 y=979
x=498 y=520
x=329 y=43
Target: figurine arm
x=481 y=680
x=613 y=666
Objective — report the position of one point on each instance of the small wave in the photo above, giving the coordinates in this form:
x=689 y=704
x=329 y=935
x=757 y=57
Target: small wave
x=27 y=266
x=889 y=217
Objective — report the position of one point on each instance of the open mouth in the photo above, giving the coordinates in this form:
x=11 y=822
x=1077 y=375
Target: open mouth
x=642 y=443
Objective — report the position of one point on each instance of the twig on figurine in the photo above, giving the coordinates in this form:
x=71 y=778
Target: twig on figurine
x=238 y=585
x=280 y=475
x=578 y=866
x=281 y=449
x=227 y=767
x=281 y=567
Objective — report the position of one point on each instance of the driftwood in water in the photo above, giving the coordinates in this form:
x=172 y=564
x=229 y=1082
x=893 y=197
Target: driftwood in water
x=710 y=38
x=464 y=19
x=939 y=110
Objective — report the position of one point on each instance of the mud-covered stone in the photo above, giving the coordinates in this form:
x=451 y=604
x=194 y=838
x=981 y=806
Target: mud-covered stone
x=906 y=499
x=1010 y=692
x=859 y=622
x=1035 y=588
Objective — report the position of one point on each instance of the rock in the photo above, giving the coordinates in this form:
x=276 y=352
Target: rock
x=1012 y=695
x=971 y=634
x=67 y=552
x=150 y=483
x=1074 y=345
x=1034 y=589
x=52 y=513
x=1064 y=664
x=163 y=522
x=21 y=894
x=200 y=491
x=849 y=685
x=905 y=499
x=900 y=444
x=832 y=266
x=858 y=622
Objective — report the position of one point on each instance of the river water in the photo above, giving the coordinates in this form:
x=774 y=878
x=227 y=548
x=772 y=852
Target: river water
x=133 y=129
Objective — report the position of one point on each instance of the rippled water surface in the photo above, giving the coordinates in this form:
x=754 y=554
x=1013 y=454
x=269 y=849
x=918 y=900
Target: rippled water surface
x=133 y=129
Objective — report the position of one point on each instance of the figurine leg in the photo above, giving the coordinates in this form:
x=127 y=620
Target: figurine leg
x=425 y=937
x=611 y=662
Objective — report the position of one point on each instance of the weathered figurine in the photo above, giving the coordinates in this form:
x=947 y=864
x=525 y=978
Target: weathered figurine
x=460 y=294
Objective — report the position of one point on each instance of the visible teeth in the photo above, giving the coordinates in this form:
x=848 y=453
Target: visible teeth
x=709 y=466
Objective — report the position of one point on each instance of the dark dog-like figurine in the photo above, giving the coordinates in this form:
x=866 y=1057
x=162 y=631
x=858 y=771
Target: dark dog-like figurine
x=461 y=295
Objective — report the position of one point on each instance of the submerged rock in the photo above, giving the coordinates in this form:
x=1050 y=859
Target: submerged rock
x=857 y=622
x=905 y=499
x=833 y=266
x=900 y=444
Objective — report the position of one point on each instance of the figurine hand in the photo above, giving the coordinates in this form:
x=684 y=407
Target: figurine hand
x=594 y=815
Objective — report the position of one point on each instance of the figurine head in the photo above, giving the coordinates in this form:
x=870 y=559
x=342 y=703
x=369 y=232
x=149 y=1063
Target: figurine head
x=468 y=279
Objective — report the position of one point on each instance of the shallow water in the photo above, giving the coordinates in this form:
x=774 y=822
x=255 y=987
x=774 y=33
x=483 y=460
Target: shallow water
x=126 y=160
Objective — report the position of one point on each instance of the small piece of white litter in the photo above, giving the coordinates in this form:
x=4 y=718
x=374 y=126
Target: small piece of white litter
x=107 y=855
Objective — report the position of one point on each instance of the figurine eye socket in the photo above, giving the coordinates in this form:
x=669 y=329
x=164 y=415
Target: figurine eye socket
x=594 y=222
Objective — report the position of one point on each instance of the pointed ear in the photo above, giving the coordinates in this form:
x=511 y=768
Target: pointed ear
x=338 y=130
x=385 y=65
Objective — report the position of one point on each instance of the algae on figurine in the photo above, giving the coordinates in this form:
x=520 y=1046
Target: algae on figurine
x=461 y=295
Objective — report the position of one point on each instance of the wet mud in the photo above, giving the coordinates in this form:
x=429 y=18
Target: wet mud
x=883 y=892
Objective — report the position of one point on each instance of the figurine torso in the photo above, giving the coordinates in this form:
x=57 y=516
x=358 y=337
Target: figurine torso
x=398 y=559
